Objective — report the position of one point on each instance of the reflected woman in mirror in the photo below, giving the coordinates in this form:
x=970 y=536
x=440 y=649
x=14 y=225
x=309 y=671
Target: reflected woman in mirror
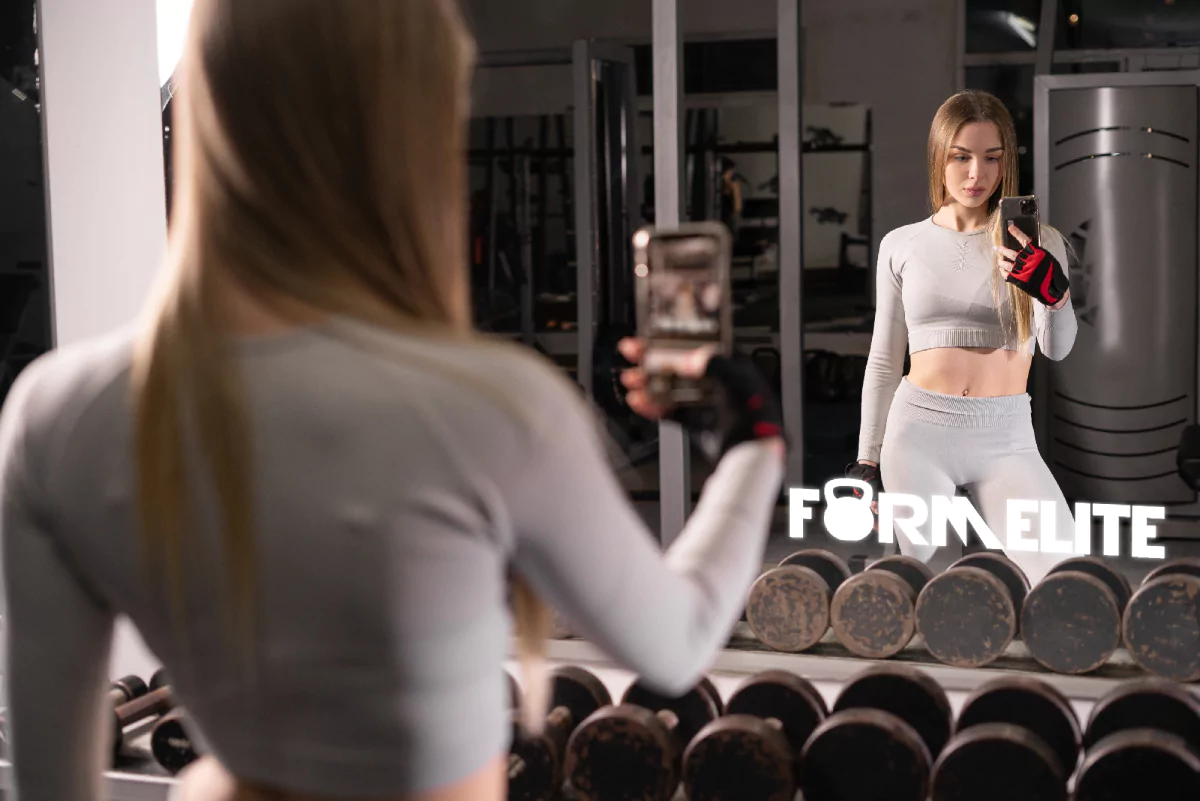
x=971 y=313
x=304 y=477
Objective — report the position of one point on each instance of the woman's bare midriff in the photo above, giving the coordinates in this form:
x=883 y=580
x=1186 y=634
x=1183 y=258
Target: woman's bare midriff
x=971 y=372
x=206 y=780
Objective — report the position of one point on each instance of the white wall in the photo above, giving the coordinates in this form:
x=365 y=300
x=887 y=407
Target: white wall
x=105 y=183
x=898 y=57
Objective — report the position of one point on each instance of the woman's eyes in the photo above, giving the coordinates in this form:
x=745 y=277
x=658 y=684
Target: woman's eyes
x=992 y=159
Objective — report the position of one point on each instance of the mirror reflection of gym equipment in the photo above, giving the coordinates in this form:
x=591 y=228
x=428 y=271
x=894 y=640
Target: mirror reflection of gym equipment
x=809 y=181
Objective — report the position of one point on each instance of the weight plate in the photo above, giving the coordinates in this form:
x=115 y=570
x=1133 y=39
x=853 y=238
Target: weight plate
x=909 y=694
x=579 y=690
x=829 y=566
x=873 y=614
x=788 y=608
x=1162 y=627
x=694 y=709
x=915 y=572
x=864 y=753
x=1002 y=568
x=784 y=696
x=1095 y=567
x=998 y=762
x=1175 y=567
x=1030 y=704
x=622 y=752
x=742 y=757
x=1146 y=704
x=1071 y=622
x=1139 y=764
x=966 y=617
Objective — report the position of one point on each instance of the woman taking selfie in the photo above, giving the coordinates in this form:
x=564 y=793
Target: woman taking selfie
x=307 y=481
x=971 y=313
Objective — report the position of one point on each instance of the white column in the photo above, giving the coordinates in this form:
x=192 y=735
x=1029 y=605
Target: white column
x=105 y=187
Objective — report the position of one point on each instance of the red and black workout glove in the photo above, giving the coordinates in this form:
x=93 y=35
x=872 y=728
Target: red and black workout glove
x=866 y=473
x=746 y=409
x=1038 y=274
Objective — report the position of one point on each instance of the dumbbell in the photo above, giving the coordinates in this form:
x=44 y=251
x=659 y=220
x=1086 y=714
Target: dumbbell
x=873 y=613
x=536 y=760
x=969 y=614
x=171 y=744
x=887 y=724
x=752 y=753
x=635 y=750
x=1142 y=741
x=1015 y=737
x=156 y=702
x=1161 y=628
x=788 y=606
x=1071 y=621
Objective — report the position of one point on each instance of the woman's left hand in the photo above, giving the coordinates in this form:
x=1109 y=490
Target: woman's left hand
x=1033 y=270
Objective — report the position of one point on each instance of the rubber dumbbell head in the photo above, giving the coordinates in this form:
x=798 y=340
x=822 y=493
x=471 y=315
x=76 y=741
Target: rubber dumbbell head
x=969 y=614
x=788 y=606
x=1015 y=738
x=536 y=761
x=171 y=744
x=1161 y=627
x=1071 y=621
x=126 y=689
x=1145 y=704
x=752 y=752
x=634 y=750
x=909 y=694
x=159 y=680
x=1139 y=763
x=144 y=707
x=873 y=613
x=864 y=753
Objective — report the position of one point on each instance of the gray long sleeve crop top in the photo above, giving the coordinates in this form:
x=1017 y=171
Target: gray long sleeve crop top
x=934 y=290
x=391 y=500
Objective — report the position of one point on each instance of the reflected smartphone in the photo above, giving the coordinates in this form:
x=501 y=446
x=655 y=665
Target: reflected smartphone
x=682 y=288
x=1024 y=212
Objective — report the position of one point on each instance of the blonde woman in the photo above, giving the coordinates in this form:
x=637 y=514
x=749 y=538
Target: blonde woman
x=307 y=481
x=971 y=314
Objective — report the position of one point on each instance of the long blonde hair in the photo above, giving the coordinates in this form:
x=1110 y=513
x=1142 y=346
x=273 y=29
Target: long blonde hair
x=319 y=164
x=962 y=109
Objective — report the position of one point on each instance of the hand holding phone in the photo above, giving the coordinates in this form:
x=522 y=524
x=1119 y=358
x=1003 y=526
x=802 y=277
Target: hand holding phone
x=684 y=308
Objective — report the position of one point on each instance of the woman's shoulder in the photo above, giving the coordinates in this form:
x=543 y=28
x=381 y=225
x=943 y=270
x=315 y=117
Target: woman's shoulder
x=59 y=388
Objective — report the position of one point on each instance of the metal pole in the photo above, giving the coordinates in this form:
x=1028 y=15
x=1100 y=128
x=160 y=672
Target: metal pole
x=791 y=233
x=585 y=212
x=674 y=456
x=1045 y=37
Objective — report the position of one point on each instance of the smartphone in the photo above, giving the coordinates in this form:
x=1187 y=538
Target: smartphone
x=682 y=286
x=1024 y=212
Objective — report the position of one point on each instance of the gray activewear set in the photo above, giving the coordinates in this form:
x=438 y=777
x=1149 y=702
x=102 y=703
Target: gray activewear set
x=392 y=499
x=934 y=290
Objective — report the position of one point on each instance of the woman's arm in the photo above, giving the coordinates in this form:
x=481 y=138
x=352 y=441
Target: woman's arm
x=587 y=552
x=1056 y=326
x=59 y=635
x=885 y=364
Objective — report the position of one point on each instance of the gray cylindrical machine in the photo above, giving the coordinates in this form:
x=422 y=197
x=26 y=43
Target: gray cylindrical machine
x=1122 y=181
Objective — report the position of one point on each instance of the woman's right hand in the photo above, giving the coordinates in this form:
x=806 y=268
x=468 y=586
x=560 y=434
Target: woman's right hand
x=760 y=420
x=634 y=378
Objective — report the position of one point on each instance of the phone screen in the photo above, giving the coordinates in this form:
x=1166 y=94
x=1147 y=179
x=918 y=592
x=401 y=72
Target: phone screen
x=685 y=290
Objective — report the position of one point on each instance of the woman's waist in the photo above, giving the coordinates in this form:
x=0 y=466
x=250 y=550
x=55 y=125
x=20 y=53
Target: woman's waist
x=970 y=372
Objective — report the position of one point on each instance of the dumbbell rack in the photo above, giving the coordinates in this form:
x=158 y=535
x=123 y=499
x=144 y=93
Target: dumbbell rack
x=742 y=657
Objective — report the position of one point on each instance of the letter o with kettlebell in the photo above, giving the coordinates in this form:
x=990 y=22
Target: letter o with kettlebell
x=849 y=519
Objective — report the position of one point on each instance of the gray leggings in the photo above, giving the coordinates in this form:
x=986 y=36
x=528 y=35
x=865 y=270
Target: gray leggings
x=935 y=443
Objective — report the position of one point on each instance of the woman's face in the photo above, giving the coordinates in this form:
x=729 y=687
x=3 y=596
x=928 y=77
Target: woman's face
x=973 y=164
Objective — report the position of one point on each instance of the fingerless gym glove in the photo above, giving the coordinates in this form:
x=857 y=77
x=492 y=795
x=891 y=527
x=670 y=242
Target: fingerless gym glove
x=868 y=474
x=1037 y=273
x=746 y=408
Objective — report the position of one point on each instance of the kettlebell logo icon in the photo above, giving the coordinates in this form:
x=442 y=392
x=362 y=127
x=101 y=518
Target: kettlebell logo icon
x=849 y=519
